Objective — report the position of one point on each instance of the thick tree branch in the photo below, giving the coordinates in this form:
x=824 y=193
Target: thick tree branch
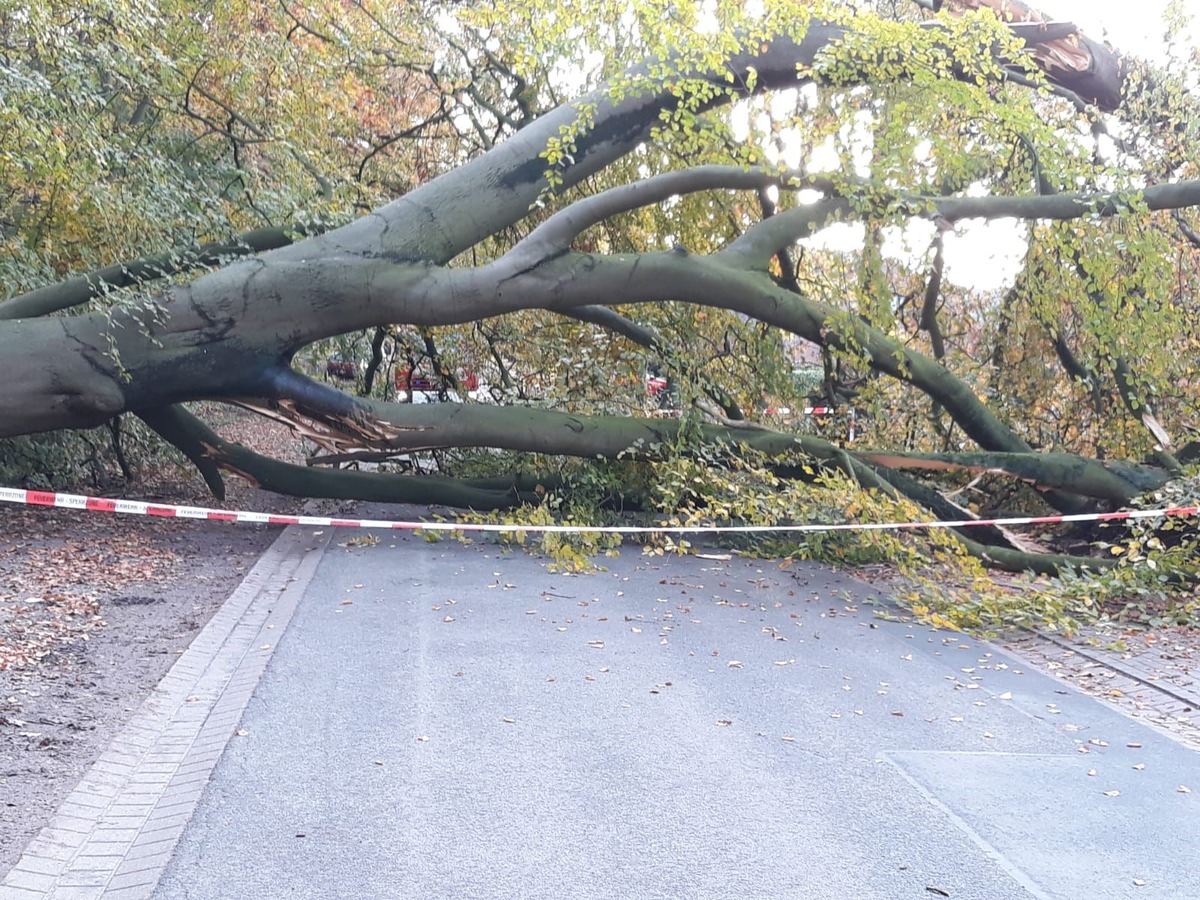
x=932 y=299
x=769 y=236
x=555 y=234
x=82 y=288
x=1115 y=482
x=185 y=430
x=182 y=430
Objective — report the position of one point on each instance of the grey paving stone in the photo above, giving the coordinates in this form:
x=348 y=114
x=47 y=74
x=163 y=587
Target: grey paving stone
x=41 y=865
x=74 y=877
x=31 y=881
x=76 y=892
x=12 y=892
x=73 y=821
x=143 y=880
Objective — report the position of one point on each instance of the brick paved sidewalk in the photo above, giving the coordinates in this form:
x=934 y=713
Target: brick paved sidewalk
x=1154 y=677
x=114 y=834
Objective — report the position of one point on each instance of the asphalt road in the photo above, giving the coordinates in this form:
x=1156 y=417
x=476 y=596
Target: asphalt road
x=455 y=721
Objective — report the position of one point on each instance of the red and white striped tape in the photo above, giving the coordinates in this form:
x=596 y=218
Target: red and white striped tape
x=170 y=510
x=807 y=410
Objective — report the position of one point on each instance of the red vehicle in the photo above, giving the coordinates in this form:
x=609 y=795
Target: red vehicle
x=407 y=380
x=341 y=368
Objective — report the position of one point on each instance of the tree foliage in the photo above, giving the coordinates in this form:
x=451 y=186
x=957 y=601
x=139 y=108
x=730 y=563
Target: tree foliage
x=770 y=205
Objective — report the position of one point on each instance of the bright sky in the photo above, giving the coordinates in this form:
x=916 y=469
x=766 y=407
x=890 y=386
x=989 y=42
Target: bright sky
x=988 y=255
x=1132 y=27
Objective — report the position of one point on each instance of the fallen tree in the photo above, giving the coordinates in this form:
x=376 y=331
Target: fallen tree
x=532 y=224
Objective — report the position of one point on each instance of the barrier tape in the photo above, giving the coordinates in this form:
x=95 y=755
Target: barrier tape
x=170 y=510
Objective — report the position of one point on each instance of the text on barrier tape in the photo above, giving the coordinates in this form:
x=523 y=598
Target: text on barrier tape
x=138 y=507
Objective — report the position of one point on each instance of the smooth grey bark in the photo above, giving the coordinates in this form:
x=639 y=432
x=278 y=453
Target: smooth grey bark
x=80 y=289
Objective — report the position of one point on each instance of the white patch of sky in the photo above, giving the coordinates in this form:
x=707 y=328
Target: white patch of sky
x=982 y=255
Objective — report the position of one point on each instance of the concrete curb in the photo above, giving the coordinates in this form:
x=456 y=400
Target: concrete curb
x=114 y=834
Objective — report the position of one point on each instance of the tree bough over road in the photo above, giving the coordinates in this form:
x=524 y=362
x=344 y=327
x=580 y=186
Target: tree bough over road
x=654 y=219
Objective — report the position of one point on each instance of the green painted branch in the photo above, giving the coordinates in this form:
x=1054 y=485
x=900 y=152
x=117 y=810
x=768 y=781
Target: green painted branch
x=1115 y=481
x=555 y=234
x=182 y=430
x=932 y=298
x=939 y=506
x=780 y=231
x=452 y=213
x=713 y=282
x=82 y=288
x=300 y=481
x=1004 y=558
x=1039 y=563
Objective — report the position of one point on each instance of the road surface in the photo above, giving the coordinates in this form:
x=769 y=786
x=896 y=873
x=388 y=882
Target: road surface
x=454 y=720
